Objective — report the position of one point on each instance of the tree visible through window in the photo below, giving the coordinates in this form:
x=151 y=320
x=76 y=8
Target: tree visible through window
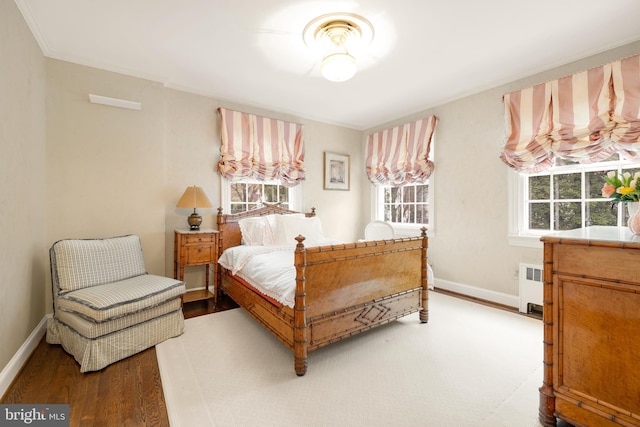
x=251 y=195
x=408 y=204
x=569 y=196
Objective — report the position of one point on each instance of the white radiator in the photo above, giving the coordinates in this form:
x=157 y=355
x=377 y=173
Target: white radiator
x=531 y=288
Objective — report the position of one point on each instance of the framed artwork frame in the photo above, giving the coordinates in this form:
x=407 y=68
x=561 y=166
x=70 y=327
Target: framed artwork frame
x=337 y=171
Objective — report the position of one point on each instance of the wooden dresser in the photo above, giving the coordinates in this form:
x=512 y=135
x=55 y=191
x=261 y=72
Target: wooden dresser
x=591 y=328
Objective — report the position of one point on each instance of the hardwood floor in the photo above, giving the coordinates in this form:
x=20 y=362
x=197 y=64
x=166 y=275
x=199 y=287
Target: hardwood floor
x=126 y=393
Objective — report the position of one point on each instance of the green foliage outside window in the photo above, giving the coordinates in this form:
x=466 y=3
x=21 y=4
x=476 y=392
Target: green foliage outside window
x=572 y=198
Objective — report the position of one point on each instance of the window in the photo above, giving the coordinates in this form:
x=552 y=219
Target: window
x=245 y=195
x=406 y=205
x=407 y=208
x=399 y=163
x=567 y=196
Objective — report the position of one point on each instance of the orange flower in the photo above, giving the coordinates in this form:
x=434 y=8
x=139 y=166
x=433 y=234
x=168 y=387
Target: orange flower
x=608 y=190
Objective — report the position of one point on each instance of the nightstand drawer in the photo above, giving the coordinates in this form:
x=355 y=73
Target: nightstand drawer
x=195 y=239
x=199 y=255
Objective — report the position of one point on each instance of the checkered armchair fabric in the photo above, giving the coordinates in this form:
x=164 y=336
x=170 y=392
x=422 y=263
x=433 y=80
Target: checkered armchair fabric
x=106 y=306
x=85 y=263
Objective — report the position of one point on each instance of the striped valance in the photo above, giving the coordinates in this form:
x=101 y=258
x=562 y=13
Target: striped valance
x=260 y=148
x=584 y=117
x=400 y=155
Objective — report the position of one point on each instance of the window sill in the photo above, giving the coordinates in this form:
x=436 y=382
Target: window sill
x=527 y=241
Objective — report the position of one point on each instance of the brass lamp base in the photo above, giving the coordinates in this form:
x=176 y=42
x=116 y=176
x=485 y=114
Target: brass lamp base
x=194 y=221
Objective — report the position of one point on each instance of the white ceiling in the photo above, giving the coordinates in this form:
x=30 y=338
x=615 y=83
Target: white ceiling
x=424 y=53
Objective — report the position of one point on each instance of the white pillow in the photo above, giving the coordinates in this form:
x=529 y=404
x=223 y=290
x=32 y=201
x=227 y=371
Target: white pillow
x=271 y=231
x=288 y=227
x=254 y=231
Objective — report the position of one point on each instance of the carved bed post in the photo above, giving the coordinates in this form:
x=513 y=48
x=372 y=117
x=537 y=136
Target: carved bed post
x=424 y=311
x=300 y=311
x=220 y=221
x=218 y=279
x=547 y=399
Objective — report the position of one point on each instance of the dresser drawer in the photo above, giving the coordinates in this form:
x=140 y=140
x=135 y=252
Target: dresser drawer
x=617 y=264
x=199 y=255
x=196 y=239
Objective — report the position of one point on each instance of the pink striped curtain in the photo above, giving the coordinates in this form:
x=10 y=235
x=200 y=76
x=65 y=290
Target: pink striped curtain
x=528 y=125
x=584 y=117
x=626 y=113
x=260 y=148
x=400 y=155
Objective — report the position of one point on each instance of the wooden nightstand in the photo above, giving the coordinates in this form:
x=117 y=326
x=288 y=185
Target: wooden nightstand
x=192 y=248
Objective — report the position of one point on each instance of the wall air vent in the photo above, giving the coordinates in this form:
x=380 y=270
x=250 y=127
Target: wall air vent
x=114 y=102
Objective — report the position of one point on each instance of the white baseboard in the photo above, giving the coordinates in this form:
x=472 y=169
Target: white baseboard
x=472 y=291
x=20 y=358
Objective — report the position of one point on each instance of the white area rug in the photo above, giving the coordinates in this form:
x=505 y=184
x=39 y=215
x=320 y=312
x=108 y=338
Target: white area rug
x=471 y=365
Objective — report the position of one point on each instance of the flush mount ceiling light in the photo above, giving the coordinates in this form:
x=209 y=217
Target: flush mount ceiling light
x=339 y=36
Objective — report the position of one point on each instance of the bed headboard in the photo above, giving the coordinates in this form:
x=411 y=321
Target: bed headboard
x=230 y=230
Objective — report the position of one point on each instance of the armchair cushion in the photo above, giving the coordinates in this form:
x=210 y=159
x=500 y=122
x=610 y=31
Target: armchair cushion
x=91 y=329
x=81 y=263
x=101 y=303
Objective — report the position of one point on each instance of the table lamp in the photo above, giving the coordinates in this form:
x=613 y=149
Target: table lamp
x=194 y=197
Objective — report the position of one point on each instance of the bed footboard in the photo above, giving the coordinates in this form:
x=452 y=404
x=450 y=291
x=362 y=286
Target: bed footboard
x=343 y=290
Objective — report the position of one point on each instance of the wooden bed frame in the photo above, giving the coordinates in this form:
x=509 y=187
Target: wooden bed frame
x=341 y=290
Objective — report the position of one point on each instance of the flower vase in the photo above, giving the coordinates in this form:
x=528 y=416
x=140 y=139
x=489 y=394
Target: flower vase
x=634 y=217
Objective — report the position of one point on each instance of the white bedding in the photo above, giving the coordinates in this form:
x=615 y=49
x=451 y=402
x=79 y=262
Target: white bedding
x=269 y=269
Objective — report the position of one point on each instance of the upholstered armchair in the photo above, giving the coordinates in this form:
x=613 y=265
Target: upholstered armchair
x=105 y=305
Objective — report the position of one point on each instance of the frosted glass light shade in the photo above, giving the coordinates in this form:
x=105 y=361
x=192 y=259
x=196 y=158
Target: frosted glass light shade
x=339 y=36
x=338 y=67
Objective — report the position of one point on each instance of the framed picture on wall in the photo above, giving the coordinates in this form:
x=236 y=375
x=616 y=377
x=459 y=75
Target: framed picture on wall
x=336 y=171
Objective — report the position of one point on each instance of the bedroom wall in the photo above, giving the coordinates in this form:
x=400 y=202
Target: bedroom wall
x=75 y=169
x=193 y=137
x=23 y=261
x=105 y=165
x=192 y=132
x=469 y=250
x=113 y=171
